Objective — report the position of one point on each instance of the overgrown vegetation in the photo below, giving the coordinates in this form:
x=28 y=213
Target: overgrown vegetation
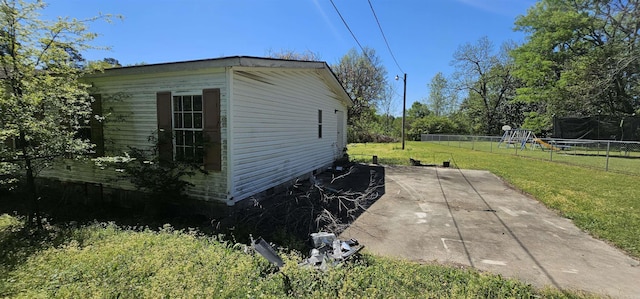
x=103 y=260
x=584 y=195
x=163 y=180
x=43 y=105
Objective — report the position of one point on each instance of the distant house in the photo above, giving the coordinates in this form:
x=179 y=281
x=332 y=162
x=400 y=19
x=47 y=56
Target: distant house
x=254 y=123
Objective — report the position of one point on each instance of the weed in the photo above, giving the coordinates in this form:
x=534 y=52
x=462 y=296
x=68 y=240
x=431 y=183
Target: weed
x=104 y=260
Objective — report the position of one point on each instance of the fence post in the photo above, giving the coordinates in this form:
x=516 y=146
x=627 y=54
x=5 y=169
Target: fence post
x=550 y=154
x=606 y=165
x=473 y=143
x=491 y=145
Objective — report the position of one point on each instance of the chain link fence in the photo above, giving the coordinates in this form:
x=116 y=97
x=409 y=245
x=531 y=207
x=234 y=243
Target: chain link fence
x=608 y=155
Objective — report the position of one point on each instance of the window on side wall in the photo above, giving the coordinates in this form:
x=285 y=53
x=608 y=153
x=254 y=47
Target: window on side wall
x=91 y=129
x=319 y=123
x=187 y=127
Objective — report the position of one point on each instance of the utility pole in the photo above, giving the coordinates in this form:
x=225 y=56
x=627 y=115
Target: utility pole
x=404 y=106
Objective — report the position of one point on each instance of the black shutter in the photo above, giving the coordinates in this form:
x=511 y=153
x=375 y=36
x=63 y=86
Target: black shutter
x=211 y=130
x=97 y=135
x=165 y=132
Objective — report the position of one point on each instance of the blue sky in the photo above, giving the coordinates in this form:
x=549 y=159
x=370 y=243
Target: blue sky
x=423 y=34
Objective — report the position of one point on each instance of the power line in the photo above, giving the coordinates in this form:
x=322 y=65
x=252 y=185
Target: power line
x=353 y=35
x=383 y=36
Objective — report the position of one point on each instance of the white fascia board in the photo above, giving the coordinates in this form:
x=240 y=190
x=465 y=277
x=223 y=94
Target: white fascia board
x=236 y=61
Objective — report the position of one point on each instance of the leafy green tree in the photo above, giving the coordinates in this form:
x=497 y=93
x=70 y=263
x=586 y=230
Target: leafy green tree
x=441 y=99
x=111 y=62
x=364 y=78
x=385 y=110
x=509 y=112
x=580 y=57
x=418 y=110
x=42 y=102
x=487 y=78
x=431 y=125
x=538 y=123
x=462 y=122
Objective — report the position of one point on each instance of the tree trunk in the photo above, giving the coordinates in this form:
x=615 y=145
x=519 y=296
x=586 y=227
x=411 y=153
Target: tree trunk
x=31 y=192
x=34 y=213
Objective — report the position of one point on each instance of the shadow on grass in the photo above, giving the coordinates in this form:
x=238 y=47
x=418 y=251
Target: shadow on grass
x=286 y=218
x=18 y=243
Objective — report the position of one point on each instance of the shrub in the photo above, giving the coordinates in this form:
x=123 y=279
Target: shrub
x=431 y=125
x=369 y=137
x=164 y=181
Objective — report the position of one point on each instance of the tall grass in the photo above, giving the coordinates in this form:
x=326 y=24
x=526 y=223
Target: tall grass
x=605 y=204
x=104 y=261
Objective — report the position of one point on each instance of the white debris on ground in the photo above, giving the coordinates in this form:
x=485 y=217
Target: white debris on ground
x=328 y=251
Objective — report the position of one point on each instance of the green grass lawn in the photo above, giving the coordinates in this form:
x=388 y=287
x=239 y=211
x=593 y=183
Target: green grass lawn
x=104 y=261
x=605 y=204
x=592 y=157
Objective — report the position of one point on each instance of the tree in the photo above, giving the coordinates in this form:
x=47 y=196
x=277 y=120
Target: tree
x=293 y=55
x=432 y=124
x=441 y=99
x=385 y=107
x=418 y=110
x=42 y=102
x=487 y=78
x=112 y=62
x=580 y=57
x=364 y=78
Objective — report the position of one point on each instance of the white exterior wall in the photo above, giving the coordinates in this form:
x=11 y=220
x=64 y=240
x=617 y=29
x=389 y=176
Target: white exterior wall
x=129 y=102
x=274 y=115
x=269 y=122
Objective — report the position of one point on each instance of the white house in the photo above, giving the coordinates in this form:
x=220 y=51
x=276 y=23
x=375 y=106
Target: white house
x=255 y=123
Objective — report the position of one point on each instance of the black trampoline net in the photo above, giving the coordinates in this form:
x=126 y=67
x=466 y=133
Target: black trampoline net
x=597 y=128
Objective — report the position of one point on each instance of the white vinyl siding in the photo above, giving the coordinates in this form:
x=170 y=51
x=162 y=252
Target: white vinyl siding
x=275 y=127
x=269 y=119
x=129 y=103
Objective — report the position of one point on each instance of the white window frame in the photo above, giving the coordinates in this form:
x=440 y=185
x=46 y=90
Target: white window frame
x=175 y=129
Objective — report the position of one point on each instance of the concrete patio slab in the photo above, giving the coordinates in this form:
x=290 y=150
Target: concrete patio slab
x=473 y=218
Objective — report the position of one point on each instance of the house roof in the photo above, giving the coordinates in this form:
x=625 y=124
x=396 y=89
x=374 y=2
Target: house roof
x=245 y=61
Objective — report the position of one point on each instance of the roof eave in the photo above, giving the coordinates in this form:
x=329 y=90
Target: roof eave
x=337 y=86
x=245 y=61
x=231 y=61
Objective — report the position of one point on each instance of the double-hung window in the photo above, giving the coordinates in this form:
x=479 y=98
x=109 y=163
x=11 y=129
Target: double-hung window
x=187 y=127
